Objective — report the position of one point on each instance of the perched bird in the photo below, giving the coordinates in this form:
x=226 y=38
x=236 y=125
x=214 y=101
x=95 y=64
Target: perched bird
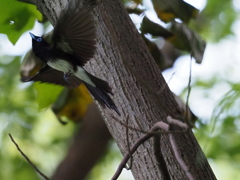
x=72 y=45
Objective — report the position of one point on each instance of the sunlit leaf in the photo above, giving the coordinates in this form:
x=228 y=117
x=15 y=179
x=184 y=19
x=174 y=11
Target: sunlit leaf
x=47 y=94
x=235 y=87
x=216 y=20
x=16 y=18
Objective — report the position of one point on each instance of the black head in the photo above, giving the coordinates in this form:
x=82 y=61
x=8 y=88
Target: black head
x=38 y=41
x=40 y=47
x=36 y=38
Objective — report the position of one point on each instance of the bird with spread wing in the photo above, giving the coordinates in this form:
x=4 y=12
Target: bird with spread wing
x=72 y=45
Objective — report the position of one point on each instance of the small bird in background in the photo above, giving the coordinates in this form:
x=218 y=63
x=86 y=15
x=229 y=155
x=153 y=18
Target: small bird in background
x=72 y=45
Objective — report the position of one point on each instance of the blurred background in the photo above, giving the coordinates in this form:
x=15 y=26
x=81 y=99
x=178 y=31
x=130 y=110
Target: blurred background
x=34 y=113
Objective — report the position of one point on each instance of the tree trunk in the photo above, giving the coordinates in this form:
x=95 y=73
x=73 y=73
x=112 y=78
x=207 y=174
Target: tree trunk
x=140 y=93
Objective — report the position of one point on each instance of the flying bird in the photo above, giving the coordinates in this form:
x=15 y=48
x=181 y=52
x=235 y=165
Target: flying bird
x=72 y=45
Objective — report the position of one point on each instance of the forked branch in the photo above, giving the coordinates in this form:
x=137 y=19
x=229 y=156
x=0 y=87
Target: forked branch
x=155 y=131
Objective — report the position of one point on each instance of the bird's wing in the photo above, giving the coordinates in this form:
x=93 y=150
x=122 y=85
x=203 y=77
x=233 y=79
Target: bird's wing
x=75 y=33
x=50 y=75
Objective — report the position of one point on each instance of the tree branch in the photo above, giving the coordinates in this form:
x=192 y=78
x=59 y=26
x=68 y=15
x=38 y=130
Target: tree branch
x=156 y=127
x=28 y=160
x=154 y=132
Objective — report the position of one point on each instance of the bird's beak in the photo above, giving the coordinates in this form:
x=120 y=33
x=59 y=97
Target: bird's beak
x=32 y=35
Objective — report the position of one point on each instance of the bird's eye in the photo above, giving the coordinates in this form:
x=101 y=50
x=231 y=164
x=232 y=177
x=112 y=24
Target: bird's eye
x=39 y=39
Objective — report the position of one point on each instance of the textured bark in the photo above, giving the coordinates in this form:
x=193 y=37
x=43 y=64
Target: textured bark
x=140 y=92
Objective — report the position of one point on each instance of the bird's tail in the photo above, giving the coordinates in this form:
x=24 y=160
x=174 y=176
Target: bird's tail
x=101 y=92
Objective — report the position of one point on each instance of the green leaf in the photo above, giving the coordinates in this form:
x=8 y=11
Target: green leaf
x=216 y=21
x=16 y=18
x=47 y=94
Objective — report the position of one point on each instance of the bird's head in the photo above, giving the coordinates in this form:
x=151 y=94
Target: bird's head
x=38 y=41
x=40 y=46
x=36 y=38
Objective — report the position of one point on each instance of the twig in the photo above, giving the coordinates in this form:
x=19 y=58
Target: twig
x=28 y=160
x=169 y=80
x=128 y=155
x=157 y=126
x=188 y=94
x=179 y=157
x=176 y=122
x=130 y=127
x=153 y=132
x=175 y=147
x=143 y=131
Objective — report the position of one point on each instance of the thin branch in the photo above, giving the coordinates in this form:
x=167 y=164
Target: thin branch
x=169 y=80
x=130 y=127
x=28 y=160
x=128 y=155
x=188 y=94
x=176 y=122
x=175 y=147
x=179 y=158
x=157 y=126
x=143 y=131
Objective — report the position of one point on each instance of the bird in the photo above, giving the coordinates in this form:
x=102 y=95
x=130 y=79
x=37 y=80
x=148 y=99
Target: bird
x=72 y=44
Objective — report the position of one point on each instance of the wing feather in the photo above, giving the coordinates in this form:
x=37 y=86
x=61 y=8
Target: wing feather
x=50 y=75
x=76 y=29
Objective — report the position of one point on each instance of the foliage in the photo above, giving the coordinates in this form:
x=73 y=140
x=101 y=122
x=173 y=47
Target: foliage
x=47 y=94
x=216 y=20
x=224 y=128
x=218 y=134
x=16 y=18
x=179 y=33
x=37 y=133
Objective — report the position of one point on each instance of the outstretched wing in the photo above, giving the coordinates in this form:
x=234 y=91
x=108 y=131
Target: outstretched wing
x=50 y=75
x=75 y=33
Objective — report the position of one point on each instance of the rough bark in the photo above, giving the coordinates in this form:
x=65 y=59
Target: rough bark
x=140 y=92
